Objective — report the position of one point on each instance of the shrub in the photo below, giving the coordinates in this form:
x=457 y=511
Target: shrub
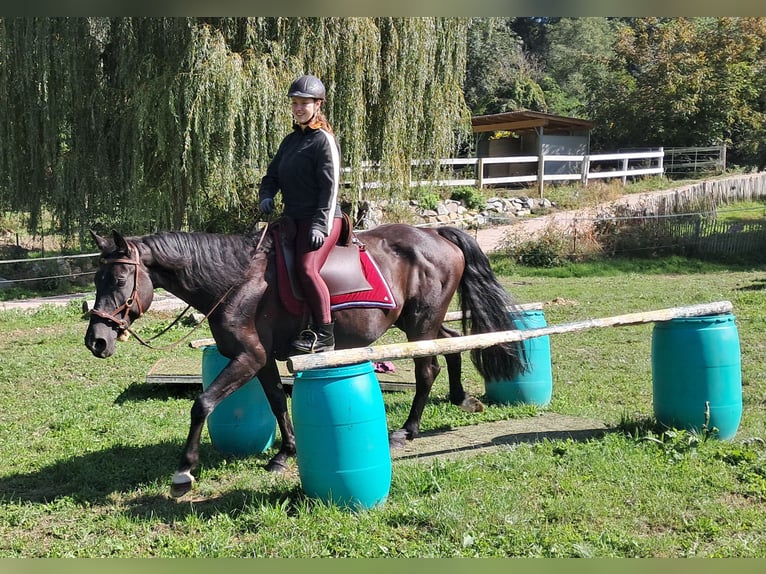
x=471 y=197
x=548 y=249
x=427 y=199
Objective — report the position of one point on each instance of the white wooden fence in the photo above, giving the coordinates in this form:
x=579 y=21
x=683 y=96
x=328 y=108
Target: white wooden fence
x=596 y=166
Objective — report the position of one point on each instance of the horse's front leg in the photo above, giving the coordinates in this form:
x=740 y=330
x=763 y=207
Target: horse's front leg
x=426 y=369
x=272 y=387
x=231 y=378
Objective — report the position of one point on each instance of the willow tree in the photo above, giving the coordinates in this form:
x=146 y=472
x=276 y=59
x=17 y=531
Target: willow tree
x=169 y=123
x=53 y=115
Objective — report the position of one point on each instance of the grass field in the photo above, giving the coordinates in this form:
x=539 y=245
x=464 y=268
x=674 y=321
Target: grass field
x=87 y=448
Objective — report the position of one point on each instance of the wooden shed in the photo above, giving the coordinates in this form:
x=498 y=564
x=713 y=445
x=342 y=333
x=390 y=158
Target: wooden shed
x=532 y=133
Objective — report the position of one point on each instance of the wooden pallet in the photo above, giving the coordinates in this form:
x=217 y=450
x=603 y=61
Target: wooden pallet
x=186 y=372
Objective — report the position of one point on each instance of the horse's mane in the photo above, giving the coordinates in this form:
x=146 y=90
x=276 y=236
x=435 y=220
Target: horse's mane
x=202 y=260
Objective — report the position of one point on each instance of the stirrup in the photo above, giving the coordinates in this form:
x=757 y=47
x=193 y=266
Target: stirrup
x=310 y=341
x=306 y=341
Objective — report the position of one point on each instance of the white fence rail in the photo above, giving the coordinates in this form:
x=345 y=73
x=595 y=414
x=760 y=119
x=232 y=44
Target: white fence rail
x=581 y=168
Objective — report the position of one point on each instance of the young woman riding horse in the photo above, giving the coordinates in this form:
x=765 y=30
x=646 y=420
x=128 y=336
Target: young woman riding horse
x=306 y=168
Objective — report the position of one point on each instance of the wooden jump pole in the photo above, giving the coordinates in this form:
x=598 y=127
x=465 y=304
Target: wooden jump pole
x=458 y=344
x=451 y=316
x=458 y=315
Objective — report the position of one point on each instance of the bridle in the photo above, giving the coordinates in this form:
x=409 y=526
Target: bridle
x=120 y=315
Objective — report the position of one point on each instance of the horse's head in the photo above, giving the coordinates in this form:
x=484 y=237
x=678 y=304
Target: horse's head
x=124 y=292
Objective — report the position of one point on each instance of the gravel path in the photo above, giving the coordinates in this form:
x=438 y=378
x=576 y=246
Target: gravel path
x=161 y=302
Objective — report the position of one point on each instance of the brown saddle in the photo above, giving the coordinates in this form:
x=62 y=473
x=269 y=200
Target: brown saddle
x=342 y=272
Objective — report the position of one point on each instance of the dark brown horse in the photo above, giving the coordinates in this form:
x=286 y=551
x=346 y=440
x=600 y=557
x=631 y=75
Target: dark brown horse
x=233 y=278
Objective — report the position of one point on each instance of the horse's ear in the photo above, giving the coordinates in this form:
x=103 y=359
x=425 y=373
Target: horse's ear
x=100 y=241
x=119 y=242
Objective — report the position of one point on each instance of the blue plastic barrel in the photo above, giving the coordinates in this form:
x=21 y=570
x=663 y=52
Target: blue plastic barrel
x=341 y=436
x=535 y=385
x=242 y=424
x=697 y=374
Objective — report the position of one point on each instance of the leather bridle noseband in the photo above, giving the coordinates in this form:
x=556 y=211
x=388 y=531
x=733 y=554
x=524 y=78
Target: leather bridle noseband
x=120 y=315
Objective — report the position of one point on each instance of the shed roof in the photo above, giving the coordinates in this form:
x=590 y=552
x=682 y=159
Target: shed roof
x=525 y=121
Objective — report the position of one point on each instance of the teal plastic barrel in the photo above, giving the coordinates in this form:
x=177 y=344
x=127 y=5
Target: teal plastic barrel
x=242 y=424
x=341 y=436
x=535 y=385
x=697 y=374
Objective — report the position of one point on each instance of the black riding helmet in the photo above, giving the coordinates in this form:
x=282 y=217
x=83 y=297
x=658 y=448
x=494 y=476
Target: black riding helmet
x=307 y=86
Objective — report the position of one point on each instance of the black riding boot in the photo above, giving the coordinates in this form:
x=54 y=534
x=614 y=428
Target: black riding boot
x=317 y=339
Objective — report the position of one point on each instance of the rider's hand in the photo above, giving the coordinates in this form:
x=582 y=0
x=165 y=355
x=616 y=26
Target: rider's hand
x=316 y=239
x=266 y=206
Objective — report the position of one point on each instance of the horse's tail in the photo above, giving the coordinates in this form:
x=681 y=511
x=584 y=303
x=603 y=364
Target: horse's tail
x=488 y=308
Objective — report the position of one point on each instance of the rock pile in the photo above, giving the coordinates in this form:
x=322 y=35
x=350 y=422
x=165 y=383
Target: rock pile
x=452 y=212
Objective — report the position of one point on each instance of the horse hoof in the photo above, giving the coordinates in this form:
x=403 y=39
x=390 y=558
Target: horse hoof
x=178 y=489
x=397 y=439
x=182 y=484
x=472 y=405
x=276 y=466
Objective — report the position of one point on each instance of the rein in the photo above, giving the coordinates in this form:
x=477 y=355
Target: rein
x=147 y=342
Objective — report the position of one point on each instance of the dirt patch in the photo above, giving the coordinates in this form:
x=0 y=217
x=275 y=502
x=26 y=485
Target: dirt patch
x=486 y=437
x=579 y=221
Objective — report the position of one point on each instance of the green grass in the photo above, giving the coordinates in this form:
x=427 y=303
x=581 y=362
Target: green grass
x=616 y=266
x=742 y=212
x=88 y=449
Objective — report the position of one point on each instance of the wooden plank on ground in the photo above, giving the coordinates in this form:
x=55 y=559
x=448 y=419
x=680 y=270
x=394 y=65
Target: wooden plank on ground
x=449 y=317
x=387 y=386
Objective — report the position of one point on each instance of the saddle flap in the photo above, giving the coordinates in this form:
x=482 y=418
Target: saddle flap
x=342 y=272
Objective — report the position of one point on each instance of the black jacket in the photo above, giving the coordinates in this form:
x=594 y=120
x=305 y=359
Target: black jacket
x=306 y=168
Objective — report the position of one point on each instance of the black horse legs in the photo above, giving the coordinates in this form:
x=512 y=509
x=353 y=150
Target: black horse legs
x=231 y=378
x=426 y=369
x=272 y=386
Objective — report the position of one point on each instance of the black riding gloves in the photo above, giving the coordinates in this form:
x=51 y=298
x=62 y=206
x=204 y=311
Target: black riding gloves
x=316 y=239
x=266 y=206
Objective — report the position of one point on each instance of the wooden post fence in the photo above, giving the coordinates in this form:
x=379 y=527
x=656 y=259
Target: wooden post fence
x=428 y=348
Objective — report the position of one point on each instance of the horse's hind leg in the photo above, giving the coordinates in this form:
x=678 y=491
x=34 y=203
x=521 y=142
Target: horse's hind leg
x=457 y=394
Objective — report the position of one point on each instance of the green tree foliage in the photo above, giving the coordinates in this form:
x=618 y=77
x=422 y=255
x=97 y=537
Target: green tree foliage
x=53 y=112
x=685 y=82
x=653 y=81
x=576 y=55
x=169 y=123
